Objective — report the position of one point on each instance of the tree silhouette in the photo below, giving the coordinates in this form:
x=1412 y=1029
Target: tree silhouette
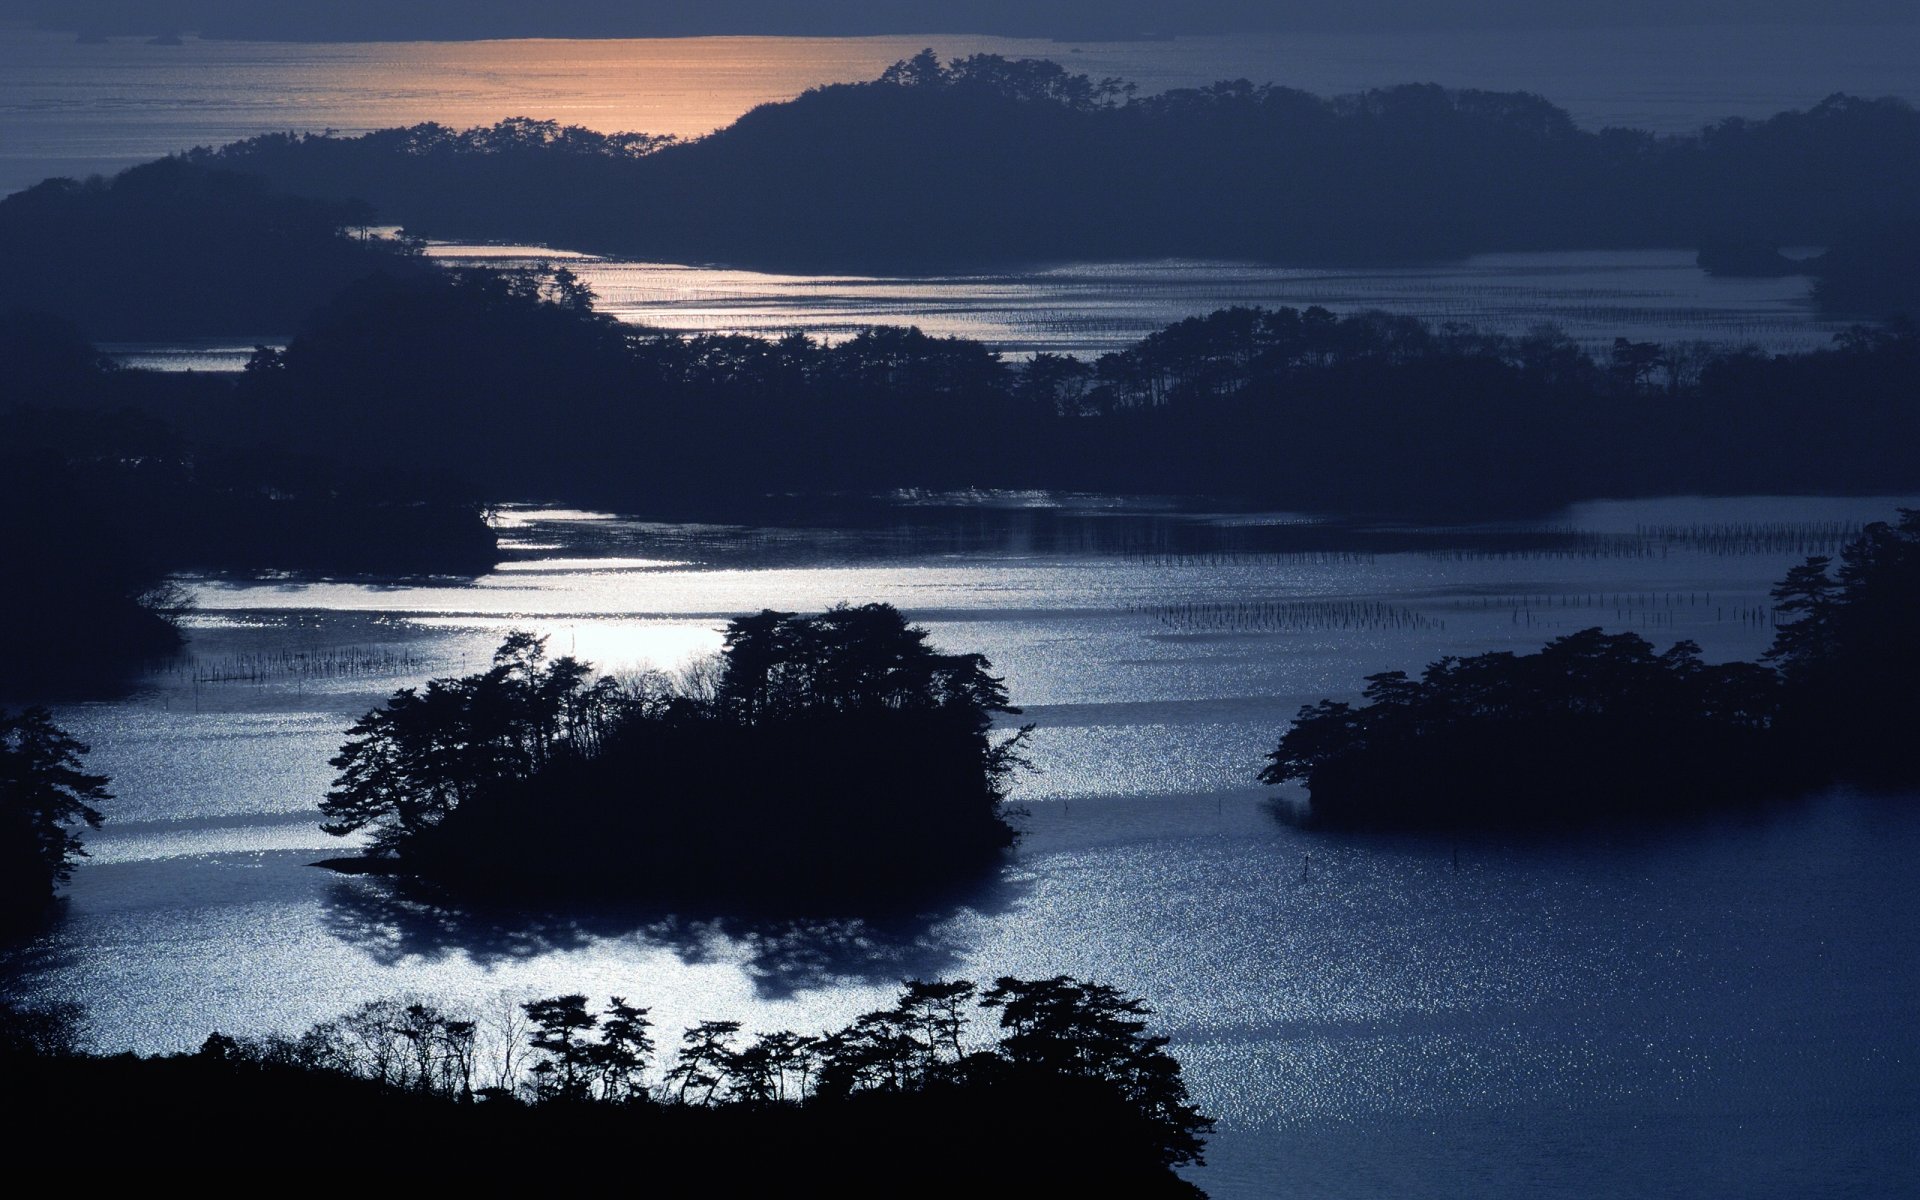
x=565 y=1071
x=409 y=764
x=44 y=794
x=623 y=1053
x=1090 y=1031
x=704 y=1063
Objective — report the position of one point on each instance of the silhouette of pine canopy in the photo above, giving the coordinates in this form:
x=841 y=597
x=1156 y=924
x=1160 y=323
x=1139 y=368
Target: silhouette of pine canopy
x=1594 y=725
x=1598 y=725
x=1851 y=653
x=835 y=754
x=45 y=793
x=877 y=1100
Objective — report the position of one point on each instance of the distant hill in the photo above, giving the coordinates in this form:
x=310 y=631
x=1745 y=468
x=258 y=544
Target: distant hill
x=174 y=250
x=987 y=161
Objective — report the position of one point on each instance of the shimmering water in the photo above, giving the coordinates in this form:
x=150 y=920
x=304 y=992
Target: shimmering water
x=1724 y=1009
x=1088 y=309
x=71 y=109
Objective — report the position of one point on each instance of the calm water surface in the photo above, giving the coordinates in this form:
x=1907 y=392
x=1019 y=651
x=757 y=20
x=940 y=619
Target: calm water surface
x=1089 y=309
x=1727 y=1009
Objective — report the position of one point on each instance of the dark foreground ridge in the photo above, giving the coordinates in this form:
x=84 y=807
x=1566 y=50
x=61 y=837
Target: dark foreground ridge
x=1599 y=728
x=1064 y=1094
x=826 y=758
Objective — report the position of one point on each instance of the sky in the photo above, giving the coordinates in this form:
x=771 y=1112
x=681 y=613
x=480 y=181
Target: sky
x=1080 y=19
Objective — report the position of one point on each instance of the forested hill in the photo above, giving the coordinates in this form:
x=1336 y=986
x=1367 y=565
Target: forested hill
x=991 y=161
x=169 y=250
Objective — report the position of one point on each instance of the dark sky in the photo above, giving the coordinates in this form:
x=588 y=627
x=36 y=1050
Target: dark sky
x=387 y=19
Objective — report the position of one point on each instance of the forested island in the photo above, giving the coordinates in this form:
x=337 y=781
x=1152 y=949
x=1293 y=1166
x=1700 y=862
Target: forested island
x=986 y=161
x=831 y=758
x=1599 y=728
x=897 y=1092
x=1303 y=409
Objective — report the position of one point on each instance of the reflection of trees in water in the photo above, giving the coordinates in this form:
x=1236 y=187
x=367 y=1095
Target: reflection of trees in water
x=397 y=921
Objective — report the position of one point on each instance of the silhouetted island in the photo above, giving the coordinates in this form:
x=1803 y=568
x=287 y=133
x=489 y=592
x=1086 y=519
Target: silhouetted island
x=833 y=757
x=986 y=161
x=1594 y=726
x=419 y=389
x=1597 y=727
x=1301 y=409
x=894 y=1095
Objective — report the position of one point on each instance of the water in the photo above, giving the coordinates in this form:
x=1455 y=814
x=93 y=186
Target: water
x=1089 y=309
x=1721 y=1009
x=71 y=109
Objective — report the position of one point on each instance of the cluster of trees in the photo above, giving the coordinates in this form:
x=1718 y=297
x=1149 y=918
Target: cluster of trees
x=1597 y=726
x=890 y=1093
x=1302 y=408
x=1055 y=165
x=832 y=756
x=45 y=795
x=1850 y=654
x=1594 y=725
x=407 y=765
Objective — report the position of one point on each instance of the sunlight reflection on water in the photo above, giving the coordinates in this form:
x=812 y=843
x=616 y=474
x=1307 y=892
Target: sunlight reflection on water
x=1323 y=989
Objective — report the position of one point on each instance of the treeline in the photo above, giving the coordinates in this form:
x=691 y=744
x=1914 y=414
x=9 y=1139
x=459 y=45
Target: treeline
x=1598 y=727
x=171 y=250
x=834 y=757
x=112 y=481
x=1369 y=412
x=894 y=1093
x=479 y=383
x=986 y=160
